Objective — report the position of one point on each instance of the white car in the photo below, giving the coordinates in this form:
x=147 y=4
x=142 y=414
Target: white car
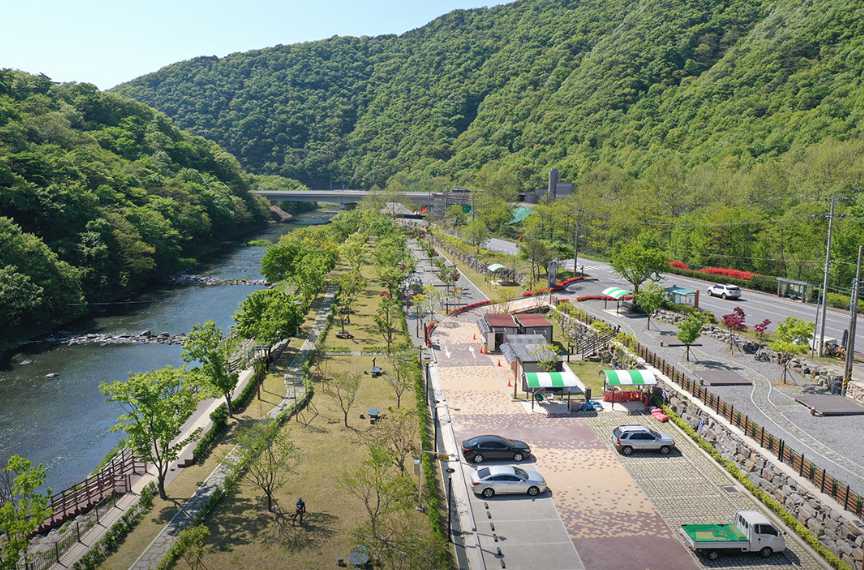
x=725 y=291
x=503 y=479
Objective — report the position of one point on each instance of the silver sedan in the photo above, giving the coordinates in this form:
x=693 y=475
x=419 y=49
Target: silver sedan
x=503 y=479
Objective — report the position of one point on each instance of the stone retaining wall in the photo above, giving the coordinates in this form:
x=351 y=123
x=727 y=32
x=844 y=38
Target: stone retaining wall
x=835 y=528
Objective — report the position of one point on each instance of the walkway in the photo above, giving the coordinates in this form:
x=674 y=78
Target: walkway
x=190 y=512
x=833 y=443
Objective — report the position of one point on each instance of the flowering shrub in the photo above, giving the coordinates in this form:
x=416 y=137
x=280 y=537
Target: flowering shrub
x=729 y=272
x=734 y=321
x=678 y=264
x=761 y=328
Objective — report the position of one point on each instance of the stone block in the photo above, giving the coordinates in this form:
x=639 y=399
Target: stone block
x=815 y=526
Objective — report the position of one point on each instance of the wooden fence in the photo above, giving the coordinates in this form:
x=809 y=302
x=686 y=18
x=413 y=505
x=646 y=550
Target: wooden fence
x=835 y=488
x=113 y=479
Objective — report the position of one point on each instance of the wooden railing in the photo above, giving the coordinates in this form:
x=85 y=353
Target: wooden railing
x=835 y=488
x=114 y=479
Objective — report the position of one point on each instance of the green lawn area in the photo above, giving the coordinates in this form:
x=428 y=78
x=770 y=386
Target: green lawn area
x=244 y=535
x=589 y=373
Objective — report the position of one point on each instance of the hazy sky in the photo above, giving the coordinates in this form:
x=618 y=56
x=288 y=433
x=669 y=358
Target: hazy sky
x=107 y=42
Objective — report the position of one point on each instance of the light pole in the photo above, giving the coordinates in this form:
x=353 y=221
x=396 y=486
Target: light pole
x=826 y=268
x=853 y=321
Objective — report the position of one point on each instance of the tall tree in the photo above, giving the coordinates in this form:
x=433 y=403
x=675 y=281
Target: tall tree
x=158 y=403
x=207 y=345
x=650 y=299
x=405 y=366
x=22 y=507
x=386 y=317
x=638 y=261
x=343 y=388
x=270 y=456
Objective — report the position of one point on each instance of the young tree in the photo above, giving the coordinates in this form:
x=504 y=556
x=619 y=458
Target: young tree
x=650 y=299
x=537 y=253
x=353 y=251
x=386 y=317
x=343 y=388
x=456 y=215
x=690 y=329
x=192 y=542
x=381 y=490
x=476 y=233
x=405 y=366
x=272 y=458
x=351 y=284
x=398 y=433
x=734 y=322
x=22 y=507
x=762 y=328
x=158 y=403
x=791 y=337
x=206 y=345
x=638 y=261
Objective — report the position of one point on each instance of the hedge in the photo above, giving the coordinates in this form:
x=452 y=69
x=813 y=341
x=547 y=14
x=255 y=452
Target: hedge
x=766 y=499
x=219 y=419
x=115 y=535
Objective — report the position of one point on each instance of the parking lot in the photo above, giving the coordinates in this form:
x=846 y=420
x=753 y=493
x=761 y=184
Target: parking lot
x=603 y=510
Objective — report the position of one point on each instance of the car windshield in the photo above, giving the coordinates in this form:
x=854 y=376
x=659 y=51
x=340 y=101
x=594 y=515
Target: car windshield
x=520 y=473
x=483 y=473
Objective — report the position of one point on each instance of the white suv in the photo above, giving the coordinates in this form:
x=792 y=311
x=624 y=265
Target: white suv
x=628 y=439
x=725 y=291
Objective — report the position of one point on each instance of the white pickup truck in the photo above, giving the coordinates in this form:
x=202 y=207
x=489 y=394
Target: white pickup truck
x=749 y=531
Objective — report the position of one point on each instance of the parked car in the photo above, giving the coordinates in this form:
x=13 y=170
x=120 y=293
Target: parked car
x=749 y=531
x=725 y=291
x=485 y=447
x=504 y=479
x=628 y=439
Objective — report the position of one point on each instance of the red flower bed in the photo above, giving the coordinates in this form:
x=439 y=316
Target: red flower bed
x=678 y=264
x=729 y=272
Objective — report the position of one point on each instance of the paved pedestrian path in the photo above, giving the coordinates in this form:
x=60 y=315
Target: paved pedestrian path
x=833 y=443
x=190 y=512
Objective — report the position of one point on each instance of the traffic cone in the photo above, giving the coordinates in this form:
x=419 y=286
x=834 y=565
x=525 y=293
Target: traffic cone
x=499 y=362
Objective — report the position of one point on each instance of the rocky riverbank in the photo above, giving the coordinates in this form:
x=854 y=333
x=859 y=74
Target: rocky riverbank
x=208 y=281
x=143 y=337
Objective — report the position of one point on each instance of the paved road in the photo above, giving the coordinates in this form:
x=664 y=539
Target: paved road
x=757 y=306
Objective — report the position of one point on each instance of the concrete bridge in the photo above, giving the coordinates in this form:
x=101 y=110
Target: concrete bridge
x=336 y=196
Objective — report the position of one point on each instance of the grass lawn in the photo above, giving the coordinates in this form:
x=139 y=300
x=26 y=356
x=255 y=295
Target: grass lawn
x=243 y=535
x=589 y=373
x=187 y=480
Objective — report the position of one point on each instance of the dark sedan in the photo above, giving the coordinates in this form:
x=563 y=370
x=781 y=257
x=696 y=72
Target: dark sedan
x=491 y=447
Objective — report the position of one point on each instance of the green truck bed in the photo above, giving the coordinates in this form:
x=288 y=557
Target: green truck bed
x=709 y=533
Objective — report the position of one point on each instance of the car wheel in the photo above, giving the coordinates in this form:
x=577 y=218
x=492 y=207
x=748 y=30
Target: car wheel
x=488 y=493
x=533 y=491
x=713 y=555
x=626 y=450
x=723 y=296
x=518 y=457
x=665 y=450
x=478 y=459
x=766 y=552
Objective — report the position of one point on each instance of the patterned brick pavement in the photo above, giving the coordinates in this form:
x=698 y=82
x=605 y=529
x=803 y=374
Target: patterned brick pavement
x=619 y=513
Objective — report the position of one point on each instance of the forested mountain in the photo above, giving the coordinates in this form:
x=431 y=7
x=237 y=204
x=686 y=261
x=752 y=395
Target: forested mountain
x=534 y=84
x=99 y=195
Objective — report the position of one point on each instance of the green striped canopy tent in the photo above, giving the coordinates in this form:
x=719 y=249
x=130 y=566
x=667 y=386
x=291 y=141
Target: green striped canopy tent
x=616 y=292
x=629 y=378
x=537 y=380
x=496 y=267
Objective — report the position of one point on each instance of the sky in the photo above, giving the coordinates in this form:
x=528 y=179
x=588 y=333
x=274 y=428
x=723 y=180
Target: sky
x=107 y=42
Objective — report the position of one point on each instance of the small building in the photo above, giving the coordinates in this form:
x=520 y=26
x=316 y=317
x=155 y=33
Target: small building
x=495 y=327
x=683 y=295
x=535 y=324
x=525 y=353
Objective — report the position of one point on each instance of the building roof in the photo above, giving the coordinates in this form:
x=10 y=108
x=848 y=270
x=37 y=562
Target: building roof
x=533 y=320
x=502 y=320
x=526 y=348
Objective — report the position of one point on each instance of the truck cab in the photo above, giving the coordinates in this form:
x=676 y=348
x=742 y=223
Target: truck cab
x=749 y=531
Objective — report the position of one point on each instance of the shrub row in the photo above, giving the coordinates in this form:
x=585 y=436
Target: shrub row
x=766 y=499
x=766 y=283
x=115 y=535
x=219 y=419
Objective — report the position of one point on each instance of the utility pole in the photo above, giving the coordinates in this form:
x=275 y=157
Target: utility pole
x=576 y=241
x=853 y=321
x=826 y=269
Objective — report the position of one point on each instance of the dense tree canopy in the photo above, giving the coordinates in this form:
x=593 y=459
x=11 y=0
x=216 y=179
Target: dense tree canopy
x=533 y=84
x=99 y=195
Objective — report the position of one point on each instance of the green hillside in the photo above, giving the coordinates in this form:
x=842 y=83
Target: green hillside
x=100 y=195
x=533 y=84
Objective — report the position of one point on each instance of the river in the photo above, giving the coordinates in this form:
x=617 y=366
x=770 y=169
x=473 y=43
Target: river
x=65 y=422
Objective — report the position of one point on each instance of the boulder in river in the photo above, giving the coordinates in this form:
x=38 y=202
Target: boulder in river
x=25 y=363
x=147 y=332
x=52 y=375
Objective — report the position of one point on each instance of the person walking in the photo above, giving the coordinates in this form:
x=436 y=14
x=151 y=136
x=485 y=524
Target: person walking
x=300 y=510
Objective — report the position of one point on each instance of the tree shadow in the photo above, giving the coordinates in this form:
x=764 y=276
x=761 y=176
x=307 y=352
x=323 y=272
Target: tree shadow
x=240 y=521
x=316 y=529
